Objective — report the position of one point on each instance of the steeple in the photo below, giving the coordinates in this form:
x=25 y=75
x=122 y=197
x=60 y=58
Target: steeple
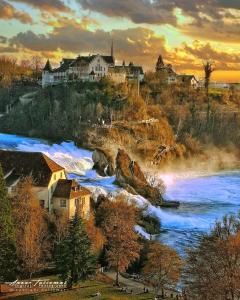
x=112 y=54
x=48 y=66
x=159 y=64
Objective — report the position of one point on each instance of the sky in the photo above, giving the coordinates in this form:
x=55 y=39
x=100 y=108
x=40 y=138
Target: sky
x=185 y=32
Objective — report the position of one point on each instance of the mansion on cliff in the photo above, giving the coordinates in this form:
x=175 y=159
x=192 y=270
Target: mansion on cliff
x=50 y=186
x=90 y=68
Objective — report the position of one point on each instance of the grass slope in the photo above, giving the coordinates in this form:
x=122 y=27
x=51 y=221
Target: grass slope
x=86 y=292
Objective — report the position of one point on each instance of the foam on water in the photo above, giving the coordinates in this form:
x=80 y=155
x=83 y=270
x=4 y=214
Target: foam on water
x=73 y=159
x=204 y=197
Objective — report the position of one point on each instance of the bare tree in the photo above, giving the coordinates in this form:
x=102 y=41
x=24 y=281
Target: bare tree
x=208 y=70
x=156 y=182
x=163 y=267
x=212 y=269
x=118 y=227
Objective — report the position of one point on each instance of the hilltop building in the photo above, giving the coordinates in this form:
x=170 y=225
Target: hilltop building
x=169 y=76
x=50 y=185
x=90 y=68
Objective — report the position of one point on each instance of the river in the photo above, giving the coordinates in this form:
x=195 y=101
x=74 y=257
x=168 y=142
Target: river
x=204 y=197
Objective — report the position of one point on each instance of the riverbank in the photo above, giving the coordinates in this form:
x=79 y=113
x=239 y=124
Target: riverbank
x=205 y=196
x=101 y=115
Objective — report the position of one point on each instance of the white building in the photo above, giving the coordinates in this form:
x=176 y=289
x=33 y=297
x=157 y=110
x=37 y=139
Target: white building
x=50 y=185
x=90 y=68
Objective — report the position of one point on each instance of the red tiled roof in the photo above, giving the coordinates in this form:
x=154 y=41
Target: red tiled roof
x=69 y=189
x=34 y=164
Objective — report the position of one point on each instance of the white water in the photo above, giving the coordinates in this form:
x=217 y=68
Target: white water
x=204 y=197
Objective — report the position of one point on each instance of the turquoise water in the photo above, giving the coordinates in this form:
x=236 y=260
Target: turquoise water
x=204 y=197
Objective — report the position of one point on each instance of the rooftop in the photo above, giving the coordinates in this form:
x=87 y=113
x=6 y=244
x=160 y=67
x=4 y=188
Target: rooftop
x=67 y=188
x=35 y=164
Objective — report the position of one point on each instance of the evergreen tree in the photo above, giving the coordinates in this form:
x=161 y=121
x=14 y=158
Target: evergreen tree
x=74 y=260
x=8 y=258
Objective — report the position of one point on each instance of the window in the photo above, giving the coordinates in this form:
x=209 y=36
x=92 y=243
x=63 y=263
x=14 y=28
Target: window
x=77 y=202
x=83 y=200
x=42 y=203
x=63 y=203
x=54 y=176
x=61 y=174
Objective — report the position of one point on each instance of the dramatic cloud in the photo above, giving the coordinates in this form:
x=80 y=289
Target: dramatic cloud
x=138 y=44
x=212 y=18
x=8 y=12
x=3 y=39
x=229 y=3
x=215 y=31
x=46 y=5
x=192 y=56
x=139 y=11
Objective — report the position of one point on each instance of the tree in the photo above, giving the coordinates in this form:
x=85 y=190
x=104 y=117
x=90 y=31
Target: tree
x=74 y=258
x=155 y=181
x=208 y=70
x=122 y=245
x=37 y=65
x=95 y=235
x=150 y=223
x=59 y=220
x=163 y=267
x=8 y=258
x=31 y=229
x=99 y=110
x=213 y=267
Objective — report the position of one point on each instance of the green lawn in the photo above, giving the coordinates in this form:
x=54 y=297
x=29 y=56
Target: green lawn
x=86 y=292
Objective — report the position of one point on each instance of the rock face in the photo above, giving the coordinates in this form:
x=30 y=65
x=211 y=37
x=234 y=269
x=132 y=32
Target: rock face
x=130 y=176
x=103 y=162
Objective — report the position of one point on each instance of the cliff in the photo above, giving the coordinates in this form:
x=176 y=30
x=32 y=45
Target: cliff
x=130 y=176
x=103 y=162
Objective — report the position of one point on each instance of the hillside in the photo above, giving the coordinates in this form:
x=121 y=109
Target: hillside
x=162 y=124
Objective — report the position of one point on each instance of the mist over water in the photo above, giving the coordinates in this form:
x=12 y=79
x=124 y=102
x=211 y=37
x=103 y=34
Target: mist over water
x=204 y=197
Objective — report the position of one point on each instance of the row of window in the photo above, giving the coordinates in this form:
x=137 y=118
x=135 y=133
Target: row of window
x=55 y=176
x=99 y=68
x=78 y=202
x=63 y=202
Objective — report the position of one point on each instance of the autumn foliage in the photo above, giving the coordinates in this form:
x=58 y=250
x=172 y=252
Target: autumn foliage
x=122 y=241
x=163 y=267
x=95 y=235
x=30 y=229
x=213 y=268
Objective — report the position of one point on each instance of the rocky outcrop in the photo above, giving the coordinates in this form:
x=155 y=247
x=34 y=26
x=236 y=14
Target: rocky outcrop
x=103 y=162
x=130 y=176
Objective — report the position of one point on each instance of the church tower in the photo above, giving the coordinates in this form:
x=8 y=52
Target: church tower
x=160 y=64
x=112 y=53
x=47 y=74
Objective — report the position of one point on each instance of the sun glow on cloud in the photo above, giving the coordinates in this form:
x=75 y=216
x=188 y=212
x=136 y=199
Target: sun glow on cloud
x=185 y=33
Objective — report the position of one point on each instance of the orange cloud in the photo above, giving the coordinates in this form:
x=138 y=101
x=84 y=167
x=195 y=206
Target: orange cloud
x=47 y=5
x=8 y=12
x=141 y=45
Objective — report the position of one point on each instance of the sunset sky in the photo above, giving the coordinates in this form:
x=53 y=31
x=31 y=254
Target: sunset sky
x=185 y=32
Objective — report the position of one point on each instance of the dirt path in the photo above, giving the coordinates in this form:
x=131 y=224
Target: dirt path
x=138 y=287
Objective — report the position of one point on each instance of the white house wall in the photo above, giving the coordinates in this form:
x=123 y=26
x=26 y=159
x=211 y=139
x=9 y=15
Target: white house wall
x=99 y=66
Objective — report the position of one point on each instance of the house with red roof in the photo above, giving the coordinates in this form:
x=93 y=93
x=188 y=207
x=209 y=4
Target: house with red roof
x=50 y=184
